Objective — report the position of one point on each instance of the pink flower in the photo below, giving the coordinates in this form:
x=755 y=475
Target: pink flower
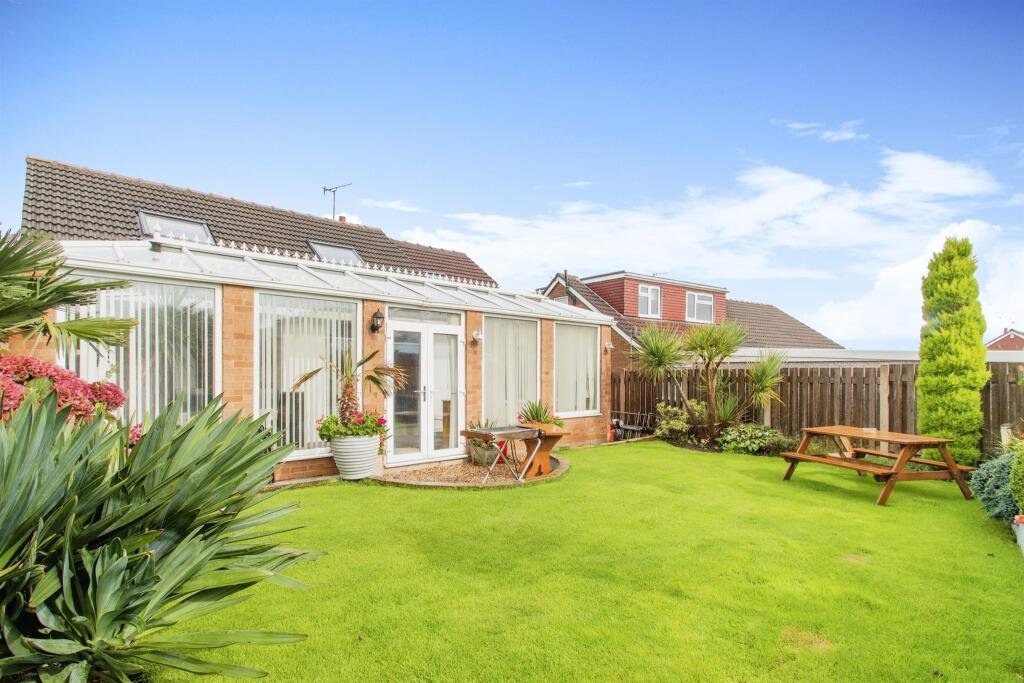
x=72 y=391
x=319 y=422
x=11 y=394
x=360 y=419
x=107 y=393
x=381 y=421
x=135 y=434
x=1019 y=520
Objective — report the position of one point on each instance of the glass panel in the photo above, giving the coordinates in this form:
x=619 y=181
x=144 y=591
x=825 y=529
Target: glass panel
x=170 y=351
x=408 y=401
x=425 y=316
x=295 y=335
x=331 y=252
x=445 y=391
x=576 y=368
x=173 y=227
x=510 y=368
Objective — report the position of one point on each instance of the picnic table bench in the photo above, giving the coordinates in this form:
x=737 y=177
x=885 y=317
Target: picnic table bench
x=852 y=457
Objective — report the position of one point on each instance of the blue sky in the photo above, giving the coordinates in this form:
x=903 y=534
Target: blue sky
x=804 y=154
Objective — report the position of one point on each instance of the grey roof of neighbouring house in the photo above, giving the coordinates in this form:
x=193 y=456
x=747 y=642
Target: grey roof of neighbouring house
x=767 y=326
x=75 y=203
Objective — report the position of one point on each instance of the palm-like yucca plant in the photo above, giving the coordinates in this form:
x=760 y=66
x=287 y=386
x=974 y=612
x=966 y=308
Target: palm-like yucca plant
x=382 y=377
x=34 y=281
x=662 y=354
x=104 y=545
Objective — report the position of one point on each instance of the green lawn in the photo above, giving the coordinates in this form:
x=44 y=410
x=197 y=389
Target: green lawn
x=646 y=561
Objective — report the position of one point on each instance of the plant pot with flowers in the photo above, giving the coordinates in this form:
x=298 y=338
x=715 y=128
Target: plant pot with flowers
x=355 y=436
x=1018 y=526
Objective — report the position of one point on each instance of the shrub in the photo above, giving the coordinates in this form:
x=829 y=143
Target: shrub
x=991 y=484
x=24 y=375
x=105 y=545
x=952 y=370
x=536 y=411
x=674 y=424
x=1017 y=472
x=754 y=440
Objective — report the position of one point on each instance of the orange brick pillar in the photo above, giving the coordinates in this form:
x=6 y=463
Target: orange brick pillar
x=373 y=341
x=547 y=363
x=474 y=368
x=237 y=335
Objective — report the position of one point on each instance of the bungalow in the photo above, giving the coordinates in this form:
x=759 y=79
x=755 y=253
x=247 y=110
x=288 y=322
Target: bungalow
x=1010 y=340
x=240 y=299
x=634 y=301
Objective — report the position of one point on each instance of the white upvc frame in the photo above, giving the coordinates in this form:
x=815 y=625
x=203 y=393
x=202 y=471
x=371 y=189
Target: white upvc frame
x=427 y=365
x=554 y=374
x=218 y=313
x=483 y=362
x=257 y=408
x=648 y=292
x=696 y=295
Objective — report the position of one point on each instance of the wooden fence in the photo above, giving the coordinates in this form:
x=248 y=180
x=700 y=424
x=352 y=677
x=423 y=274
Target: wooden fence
x=881 y=396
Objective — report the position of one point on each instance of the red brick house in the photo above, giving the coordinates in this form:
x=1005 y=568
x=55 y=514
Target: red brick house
x=634 y=301
x=239 y=299
x=1009 y=340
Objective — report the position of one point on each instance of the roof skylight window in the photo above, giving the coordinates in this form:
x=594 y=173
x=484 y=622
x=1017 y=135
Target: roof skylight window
x=333 y=252
x=171 y=226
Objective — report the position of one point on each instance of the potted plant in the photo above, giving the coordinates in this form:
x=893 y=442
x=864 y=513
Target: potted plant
x=354 y=435
x=1018 y=526
x=538 y=415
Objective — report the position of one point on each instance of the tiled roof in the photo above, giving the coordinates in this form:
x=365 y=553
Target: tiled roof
x=75 y=203
x=770 y=327
x=767 y=326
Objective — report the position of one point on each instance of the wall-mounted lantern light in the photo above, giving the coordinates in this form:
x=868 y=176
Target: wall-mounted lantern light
x=377 y=321
x=608 y=346
x=478 y=336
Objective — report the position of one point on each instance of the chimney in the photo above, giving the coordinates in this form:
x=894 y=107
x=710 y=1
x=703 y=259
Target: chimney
x=1005 y=330
x=342 y=219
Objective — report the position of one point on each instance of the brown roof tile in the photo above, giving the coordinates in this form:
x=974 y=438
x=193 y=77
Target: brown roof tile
x=73 y=202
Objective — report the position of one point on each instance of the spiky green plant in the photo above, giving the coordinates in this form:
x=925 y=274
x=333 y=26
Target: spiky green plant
x=953 y=370
x=34 y=281
x=538 y=411
x=104 y=545
x=381 y=377
x=662 y=354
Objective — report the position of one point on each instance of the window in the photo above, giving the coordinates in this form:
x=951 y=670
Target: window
x=169 y=226
x=700 y=308
x=295 y=335
x=650 y=301
x=576 y=370
x=171 y=351
x=422 y=315
x=510 y=368
x=332 y=252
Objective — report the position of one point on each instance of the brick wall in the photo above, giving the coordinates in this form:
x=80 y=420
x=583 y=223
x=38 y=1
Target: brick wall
x=614 y=292
x=237 y=366
x=32 y=347
x=474 y=368
x=372 y=400
x=1010 y=342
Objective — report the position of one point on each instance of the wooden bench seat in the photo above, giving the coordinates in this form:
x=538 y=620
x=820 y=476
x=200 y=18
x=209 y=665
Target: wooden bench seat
x=879 y=471
x=919 y=461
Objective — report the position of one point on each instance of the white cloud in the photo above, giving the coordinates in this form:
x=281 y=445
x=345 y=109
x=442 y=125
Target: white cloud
x=393 y=205
x=847 y=130
x=891 y=309
x=916 y=173
x=578 y=183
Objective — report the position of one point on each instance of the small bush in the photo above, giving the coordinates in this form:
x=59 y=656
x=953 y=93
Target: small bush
x=1017 y=472
x=674 y=422
x=991 y=484
x=754 y=439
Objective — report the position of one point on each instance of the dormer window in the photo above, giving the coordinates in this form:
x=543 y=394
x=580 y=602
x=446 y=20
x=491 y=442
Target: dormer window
x=700 y=308
x=173 y=226
x=335 y=252
x=649 y=301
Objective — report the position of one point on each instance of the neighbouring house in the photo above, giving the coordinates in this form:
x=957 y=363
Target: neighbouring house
x=634 y=301
x=240 y=299
x=1009 y=340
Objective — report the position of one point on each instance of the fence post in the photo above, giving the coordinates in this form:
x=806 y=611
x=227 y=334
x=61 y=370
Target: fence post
x=883 y=397
x=622 y=393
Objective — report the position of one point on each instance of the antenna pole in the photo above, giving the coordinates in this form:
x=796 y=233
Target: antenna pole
x=334 y=197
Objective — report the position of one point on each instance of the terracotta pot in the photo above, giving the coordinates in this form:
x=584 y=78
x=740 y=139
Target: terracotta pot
x=355 y=456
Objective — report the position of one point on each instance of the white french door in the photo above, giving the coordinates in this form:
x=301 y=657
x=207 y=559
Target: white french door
x=427 y=415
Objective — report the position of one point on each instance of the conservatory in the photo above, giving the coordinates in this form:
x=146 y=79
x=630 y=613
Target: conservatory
x=247 y=322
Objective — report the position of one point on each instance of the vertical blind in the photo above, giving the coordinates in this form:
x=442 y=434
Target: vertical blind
x=296 y=334
x=576 y=368
x=510 y=368
x=171 y=351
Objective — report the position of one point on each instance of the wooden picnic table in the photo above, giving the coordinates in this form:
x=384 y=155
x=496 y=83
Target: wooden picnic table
x=853 y=457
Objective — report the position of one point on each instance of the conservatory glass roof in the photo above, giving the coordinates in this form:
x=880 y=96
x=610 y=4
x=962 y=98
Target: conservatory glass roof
x=230 y=263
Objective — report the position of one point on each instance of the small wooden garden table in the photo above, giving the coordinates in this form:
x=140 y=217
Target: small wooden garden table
x=852 y=457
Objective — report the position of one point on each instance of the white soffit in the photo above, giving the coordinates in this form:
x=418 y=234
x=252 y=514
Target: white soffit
x=176 y=259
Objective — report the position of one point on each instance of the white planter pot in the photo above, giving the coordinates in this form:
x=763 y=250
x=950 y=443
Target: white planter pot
x=1019 y=528
x=355 y=456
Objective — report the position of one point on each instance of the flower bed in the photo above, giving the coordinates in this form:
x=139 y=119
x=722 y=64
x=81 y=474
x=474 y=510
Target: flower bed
x=20 y=374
